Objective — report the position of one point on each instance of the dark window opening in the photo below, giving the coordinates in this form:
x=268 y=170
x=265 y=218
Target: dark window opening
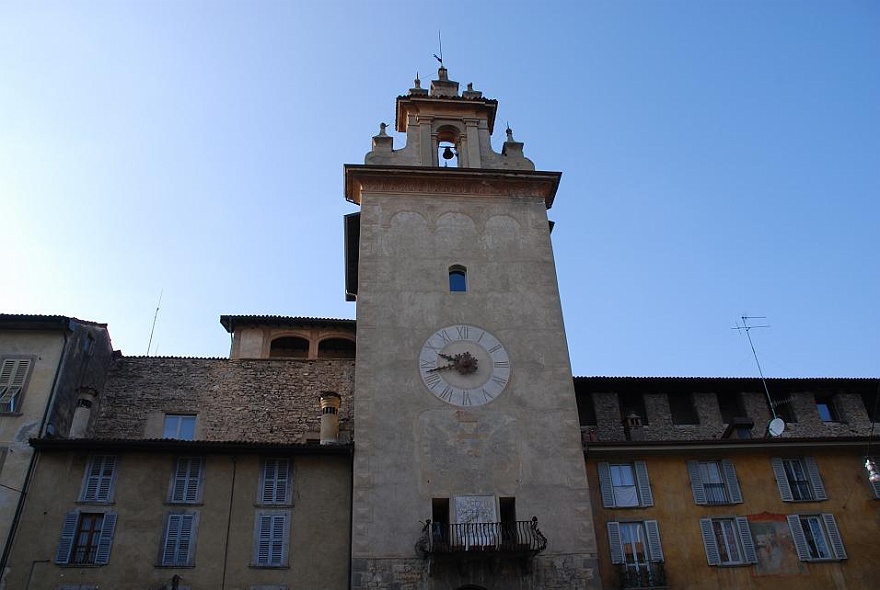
x=872 y=406
x=88 y=534
x=336 y=348
x=440 y=520
x=457 y=279
x=586 y=409
x=681 y=406
x=289 y=347
x=782 y=404
x=827 y=408
x=731 y=407
x=632 y=404
x=507 y=510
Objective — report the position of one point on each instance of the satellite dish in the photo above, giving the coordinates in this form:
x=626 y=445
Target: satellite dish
x=776 y=427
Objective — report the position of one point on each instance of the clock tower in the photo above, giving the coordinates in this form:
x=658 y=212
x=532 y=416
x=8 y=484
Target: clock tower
x=468 y=465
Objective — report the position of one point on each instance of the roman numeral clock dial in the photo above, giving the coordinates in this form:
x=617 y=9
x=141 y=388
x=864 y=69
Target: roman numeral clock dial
x=464 y=365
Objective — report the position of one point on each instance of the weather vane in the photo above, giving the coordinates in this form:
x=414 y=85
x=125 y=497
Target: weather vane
x=439 y=57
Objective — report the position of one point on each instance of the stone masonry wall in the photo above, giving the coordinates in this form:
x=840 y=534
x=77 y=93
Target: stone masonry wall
x=259 y=400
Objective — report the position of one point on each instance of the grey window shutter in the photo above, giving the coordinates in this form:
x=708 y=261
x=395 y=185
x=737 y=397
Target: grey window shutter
x=68 y=532
x=194 y=479
x=102 y=556
x=263 y=541
x=186 y=541
x=834 y=536
x=732 y=482
x=815 y=479
x=172 y=532
x=797 y=535
x=745 y=536
x=280 y=539
x=781 y=480
x=696 y=482
x=653 y=532
x=709 y=542
x=614 y=542
x=276 y=481
x=605 y=484
x=646 y=498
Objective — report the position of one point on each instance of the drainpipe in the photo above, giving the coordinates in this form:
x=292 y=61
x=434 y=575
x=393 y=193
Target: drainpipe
x=229 y=523
x=13 y=528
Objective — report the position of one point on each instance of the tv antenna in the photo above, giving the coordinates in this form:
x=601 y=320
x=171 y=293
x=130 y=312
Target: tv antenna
x=440 y=41
x=777 y=424
x=155 y=316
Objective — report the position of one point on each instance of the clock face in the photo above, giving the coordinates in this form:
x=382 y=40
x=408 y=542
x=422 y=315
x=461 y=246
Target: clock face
x=464 y=365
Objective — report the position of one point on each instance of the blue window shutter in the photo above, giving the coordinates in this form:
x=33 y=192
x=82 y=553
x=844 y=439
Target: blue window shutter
x=709 y=543
x=605 y=484
x=172 y=532
x=696 y=482
x=68 y=532
x=815 y=479
x=102 y=556
x=732 y=482
x=614 y=542
x=797 y=535
x=745 y=536
x=834 y=536
x=646 y=498
x=781 y=480
x=653 y=532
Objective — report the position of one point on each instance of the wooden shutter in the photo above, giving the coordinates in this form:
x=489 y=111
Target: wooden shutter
x=646 y=498
x=186 y=484
x=709 y=542
x=815 y=479
x=605 y=484
x=797 y=535
x=102 y=556
x=276 y=481
x=654 y=546
x=99 y=479
x=745 y=537
x=172 y=532
x=733 y=491
x=13 y=373
x=781 y=480
x=614 y=542
x=697 y=488
x=68 y=532
x=272 y=538
x=834 y=536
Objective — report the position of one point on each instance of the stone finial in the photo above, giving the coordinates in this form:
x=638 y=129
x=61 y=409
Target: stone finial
x=383 y=142
x=511 y=147
x=443 y=74
x=383 y=125
x=417 y=82
x=443 y=86
x=471 y=93
x=417 y=89
x=509 y=133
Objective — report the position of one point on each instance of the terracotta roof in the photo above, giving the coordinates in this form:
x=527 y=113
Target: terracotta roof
x=230 y=322
x=188 y=446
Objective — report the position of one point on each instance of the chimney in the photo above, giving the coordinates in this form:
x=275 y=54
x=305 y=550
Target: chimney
x=330 y=417
x=83 y=413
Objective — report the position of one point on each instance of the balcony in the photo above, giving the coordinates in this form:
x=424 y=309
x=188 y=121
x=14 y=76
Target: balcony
x=481 y=542
x=642 y=575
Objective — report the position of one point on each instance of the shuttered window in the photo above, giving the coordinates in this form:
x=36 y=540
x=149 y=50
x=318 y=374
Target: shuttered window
x=625 y=485
x=13 y=378
x=271 y=538
x=275 y=482
x=816 y=537
x=186 y=481
x=714 y=482
x=798 y=480
x=99 y=480
x=634 y=543
x=728 y=541
x=86 y=538
x=178 y=546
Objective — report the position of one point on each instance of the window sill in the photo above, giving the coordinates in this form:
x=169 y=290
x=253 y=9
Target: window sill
x=12 y=414
x=268 y=567
x=175 y=567
x=199 y=503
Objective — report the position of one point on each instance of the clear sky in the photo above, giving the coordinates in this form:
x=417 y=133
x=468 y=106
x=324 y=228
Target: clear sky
x=718 y=159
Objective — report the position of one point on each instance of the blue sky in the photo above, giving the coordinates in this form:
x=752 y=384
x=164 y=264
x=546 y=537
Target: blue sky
x=718 y=159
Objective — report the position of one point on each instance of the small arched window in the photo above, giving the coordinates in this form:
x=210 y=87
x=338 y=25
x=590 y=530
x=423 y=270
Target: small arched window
x=457 y=279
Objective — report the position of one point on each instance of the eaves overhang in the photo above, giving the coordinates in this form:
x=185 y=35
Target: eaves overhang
x=233 y=322
x=443 y=107
x=435 y=181
x=748 y=445
x=165 y=445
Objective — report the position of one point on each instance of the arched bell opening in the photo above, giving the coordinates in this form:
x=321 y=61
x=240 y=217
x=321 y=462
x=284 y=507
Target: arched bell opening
x=449 y=147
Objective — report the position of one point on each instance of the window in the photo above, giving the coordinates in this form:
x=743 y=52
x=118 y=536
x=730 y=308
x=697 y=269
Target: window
x=731 y=407
x=728 y=541
x=86 y=538
x=625 y=484
x=783 y=406
x=179 y=542
x=681 y=406
x=635 y=546
x=827 y=408
x=275 y=482
x=271 y=530
x=798 y=479
x=872 y=405
x=632 y=403
x=816 y=537
x=457 y=279
x=13 y=379
x=180 y=426
x=186 y=481
x=875 y=485
x=586 y=409
x=99 y=480
x=714 y=482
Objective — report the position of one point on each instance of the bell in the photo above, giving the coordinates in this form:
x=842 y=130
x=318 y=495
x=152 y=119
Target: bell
x=448 y=154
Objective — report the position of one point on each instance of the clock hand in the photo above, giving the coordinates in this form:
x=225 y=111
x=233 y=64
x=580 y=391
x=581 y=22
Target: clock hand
x=448 y=357
x=444 y=367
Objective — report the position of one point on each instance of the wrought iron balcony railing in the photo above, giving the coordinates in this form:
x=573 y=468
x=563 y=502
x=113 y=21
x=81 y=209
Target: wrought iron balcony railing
x=642 y=575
